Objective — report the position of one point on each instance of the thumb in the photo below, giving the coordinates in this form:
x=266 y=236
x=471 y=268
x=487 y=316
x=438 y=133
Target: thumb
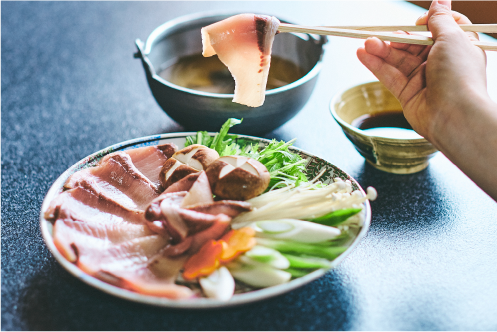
x=440 y=20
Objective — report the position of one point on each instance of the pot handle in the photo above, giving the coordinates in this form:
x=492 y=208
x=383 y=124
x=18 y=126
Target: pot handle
x=140 y=55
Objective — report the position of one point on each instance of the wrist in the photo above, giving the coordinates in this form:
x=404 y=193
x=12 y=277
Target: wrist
x=471 y=118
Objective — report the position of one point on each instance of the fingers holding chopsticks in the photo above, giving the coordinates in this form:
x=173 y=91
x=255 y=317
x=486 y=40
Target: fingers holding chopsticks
x=458 y=18
x=387 y=73
x=405 y=60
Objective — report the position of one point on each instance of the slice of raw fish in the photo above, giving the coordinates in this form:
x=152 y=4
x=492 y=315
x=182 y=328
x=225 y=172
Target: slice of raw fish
x=180 y=222
x=229 y=208
x=157 y=220
x=71 y=237
x=172 y=221
x=191 y=244
x=149 y=160
x=119 y=179
x=196 y=221
x=86 y=204
x=243 y=43
x=158 y=279
x=200 y=192
x=217 y=229
x=136 y=265
x=130 y=255
x=184 y=184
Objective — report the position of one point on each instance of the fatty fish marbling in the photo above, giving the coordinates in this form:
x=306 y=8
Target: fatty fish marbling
x=243 y=43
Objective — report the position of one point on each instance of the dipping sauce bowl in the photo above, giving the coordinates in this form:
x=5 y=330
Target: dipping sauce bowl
x=400 y=154
x=201 y=110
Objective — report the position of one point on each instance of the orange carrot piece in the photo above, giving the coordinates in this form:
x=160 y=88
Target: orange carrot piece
x=238 y=241
x=205 y=261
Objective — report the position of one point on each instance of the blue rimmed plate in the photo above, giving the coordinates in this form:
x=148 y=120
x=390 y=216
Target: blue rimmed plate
x=314 y=166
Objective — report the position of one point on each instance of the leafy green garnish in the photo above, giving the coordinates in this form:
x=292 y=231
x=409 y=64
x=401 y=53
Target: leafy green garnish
x=223 y=143
x=284 y=166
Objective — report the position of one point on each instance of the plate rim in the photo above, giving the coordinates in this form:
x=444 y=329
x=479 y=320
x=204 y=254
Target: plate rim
x=202 y=303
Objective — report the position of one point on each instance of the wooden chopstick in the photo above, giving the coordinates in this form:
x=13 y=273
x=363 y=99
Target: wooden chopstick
x=385 y=36
x=485 y=28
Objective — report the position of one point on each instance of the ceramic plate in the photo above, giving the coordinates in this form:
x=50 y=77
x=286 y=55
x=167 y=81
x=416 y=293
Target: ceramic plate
x=314 y=166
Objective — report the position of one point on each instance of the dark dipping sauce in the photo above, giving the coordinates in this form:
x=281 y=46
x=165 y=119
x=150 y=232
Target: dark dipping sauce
x=211 y=75
x=390 y=124
x=394 y=119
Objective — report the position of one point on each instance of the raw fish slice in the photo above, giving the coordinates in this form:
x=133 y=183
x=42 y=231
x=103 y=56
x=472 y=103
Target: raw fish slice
x=172 y=221
x=119 y=179
x=156 y=278
x=200 y=192
x=229 y=208
x=184 y=184
x=196 y=221
x=86 y=204
x=136 y=265
x=131 y=255
x=217 y=230
x=156 y=219
x=144 y=281
x=149 y=160
x=193 y=243
x=175 y=250
x=243 y=43
x=72 y=237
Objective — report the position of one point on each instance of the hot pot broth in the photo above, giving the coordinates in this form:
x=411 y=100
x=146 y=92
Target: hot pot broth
x=209 y=74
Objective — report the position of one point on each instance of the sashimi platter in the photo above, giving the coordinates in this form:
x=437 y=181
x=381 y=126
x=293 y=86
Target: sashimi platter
x=203 y=220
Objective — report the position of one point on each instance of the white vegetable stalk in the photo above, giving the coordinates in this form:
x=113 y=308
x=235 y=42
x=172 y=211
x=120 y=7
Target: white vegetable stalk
x=219 y=285
x=259 y=276
x=303 y=202
x=295 y=230
x=266 y=256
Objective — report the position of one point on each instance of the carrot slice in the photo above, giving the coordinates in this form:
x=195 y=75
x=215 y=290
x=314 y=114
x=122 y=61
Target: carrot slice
x=205 y=261
x=213 y=253
x=238 y=241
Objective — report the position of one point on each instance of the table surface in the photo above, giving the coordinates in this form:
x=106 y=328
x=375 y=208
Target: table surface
x=70 y=87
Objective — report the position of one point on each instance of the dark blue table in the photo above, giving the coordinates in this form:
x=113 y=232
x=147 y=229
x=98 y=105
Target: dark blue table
x=70 y=87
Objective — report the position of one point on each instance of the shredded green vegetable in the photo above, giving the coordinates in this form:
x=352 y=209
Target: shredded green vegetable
x=284 y=166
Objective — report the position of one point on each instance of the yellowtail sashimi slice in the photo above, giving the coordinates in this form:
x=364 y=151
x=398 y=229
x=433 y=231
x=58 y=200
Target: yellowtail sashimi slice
x=243 y=43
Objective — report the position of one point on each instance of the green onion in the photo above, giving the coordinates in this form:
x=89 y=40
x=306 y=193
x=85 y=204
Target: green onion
x=299 y=248
x=307 y=262
x=336 y=217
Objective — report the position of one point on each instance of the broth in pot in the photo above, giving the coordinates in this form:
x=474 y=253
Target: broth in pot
x=211 y=75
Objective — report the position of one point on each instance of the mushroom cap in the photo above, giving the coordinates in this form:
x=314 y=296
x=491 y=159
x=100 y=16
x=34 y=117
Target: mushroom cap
x=173 y=171
x=191 y=159
x=197 y=156
x=237 y=177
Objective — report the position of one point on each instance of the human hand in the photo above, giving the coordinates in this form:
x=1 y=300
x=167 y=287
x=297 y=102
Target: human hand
x=433 y=83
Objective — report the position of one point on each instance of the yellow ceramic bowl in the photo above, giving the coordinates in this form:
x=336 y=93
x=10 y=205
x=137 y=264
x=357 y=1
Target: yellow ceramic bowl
x=394 y=155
